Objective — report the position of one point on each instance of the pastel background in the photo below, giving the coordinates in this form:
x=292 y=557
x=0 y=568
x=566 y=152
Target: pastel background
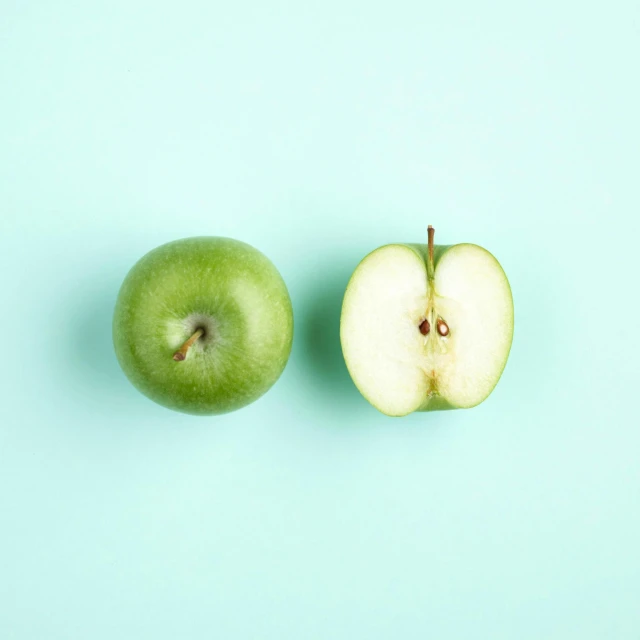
x=318 y=131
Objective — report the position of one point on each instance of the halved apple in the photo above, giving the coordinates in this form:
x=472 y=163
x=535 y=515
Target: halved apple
x=426 y=327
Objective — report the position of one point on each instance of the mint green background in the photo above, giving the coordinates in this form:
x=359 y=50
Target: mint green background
x=318 y=131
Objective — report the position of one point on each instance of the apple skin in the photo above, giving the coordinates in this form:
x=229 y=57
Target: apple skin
x=224 y=286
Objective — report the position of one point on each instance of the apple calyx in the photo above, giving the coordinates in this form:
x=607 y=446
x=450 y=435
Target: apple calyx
x=181 y=353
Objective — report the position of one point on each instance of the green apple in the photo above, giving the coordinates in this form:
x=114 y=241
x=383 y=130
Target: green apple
x=427 y=327
x=203 y=325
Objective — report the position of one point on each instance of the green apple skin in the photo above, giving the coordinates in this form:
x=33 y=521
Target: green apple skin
x=223 y=286
x=433 y=400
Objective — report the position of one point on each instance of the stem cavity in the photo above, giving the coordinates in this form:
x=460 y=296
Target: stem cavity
x=181 y=353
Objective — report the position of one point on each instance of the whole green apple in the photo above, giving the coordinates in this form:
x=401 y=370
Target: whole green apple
x=426 y=327
x=203 y=325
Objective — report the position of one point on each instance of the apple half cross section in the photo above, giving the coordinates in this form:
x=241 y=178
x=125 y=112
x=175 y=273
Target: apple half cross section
x=427 y=327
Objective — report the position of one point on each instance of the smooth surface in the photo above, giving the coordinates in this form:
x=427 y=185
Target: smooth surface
x=223 y=287
x=319 y=132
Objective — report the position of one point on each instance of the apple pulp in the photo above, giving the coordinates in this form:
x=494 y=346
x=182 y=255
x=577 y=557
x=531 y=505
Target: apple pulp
x=418 y=336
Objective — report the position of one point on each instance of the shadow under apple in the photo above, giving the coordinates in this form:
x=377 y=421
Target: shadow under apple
x=90 y=365
x=320 y=353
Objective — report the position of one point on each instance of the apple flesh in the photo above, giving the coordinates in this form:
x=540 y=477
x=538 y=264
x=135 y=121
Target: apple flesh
x=203 y=325
x=426 y=327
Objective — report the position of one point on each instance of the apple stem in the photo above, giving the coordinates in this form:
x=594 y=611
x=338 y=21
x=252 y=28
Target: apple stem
x=431 y=231
x=181 y=353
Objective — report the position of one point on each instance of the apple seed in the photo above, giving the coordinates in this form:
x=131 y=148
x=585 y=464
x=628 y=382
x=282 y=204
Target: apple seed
x=443 y=327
